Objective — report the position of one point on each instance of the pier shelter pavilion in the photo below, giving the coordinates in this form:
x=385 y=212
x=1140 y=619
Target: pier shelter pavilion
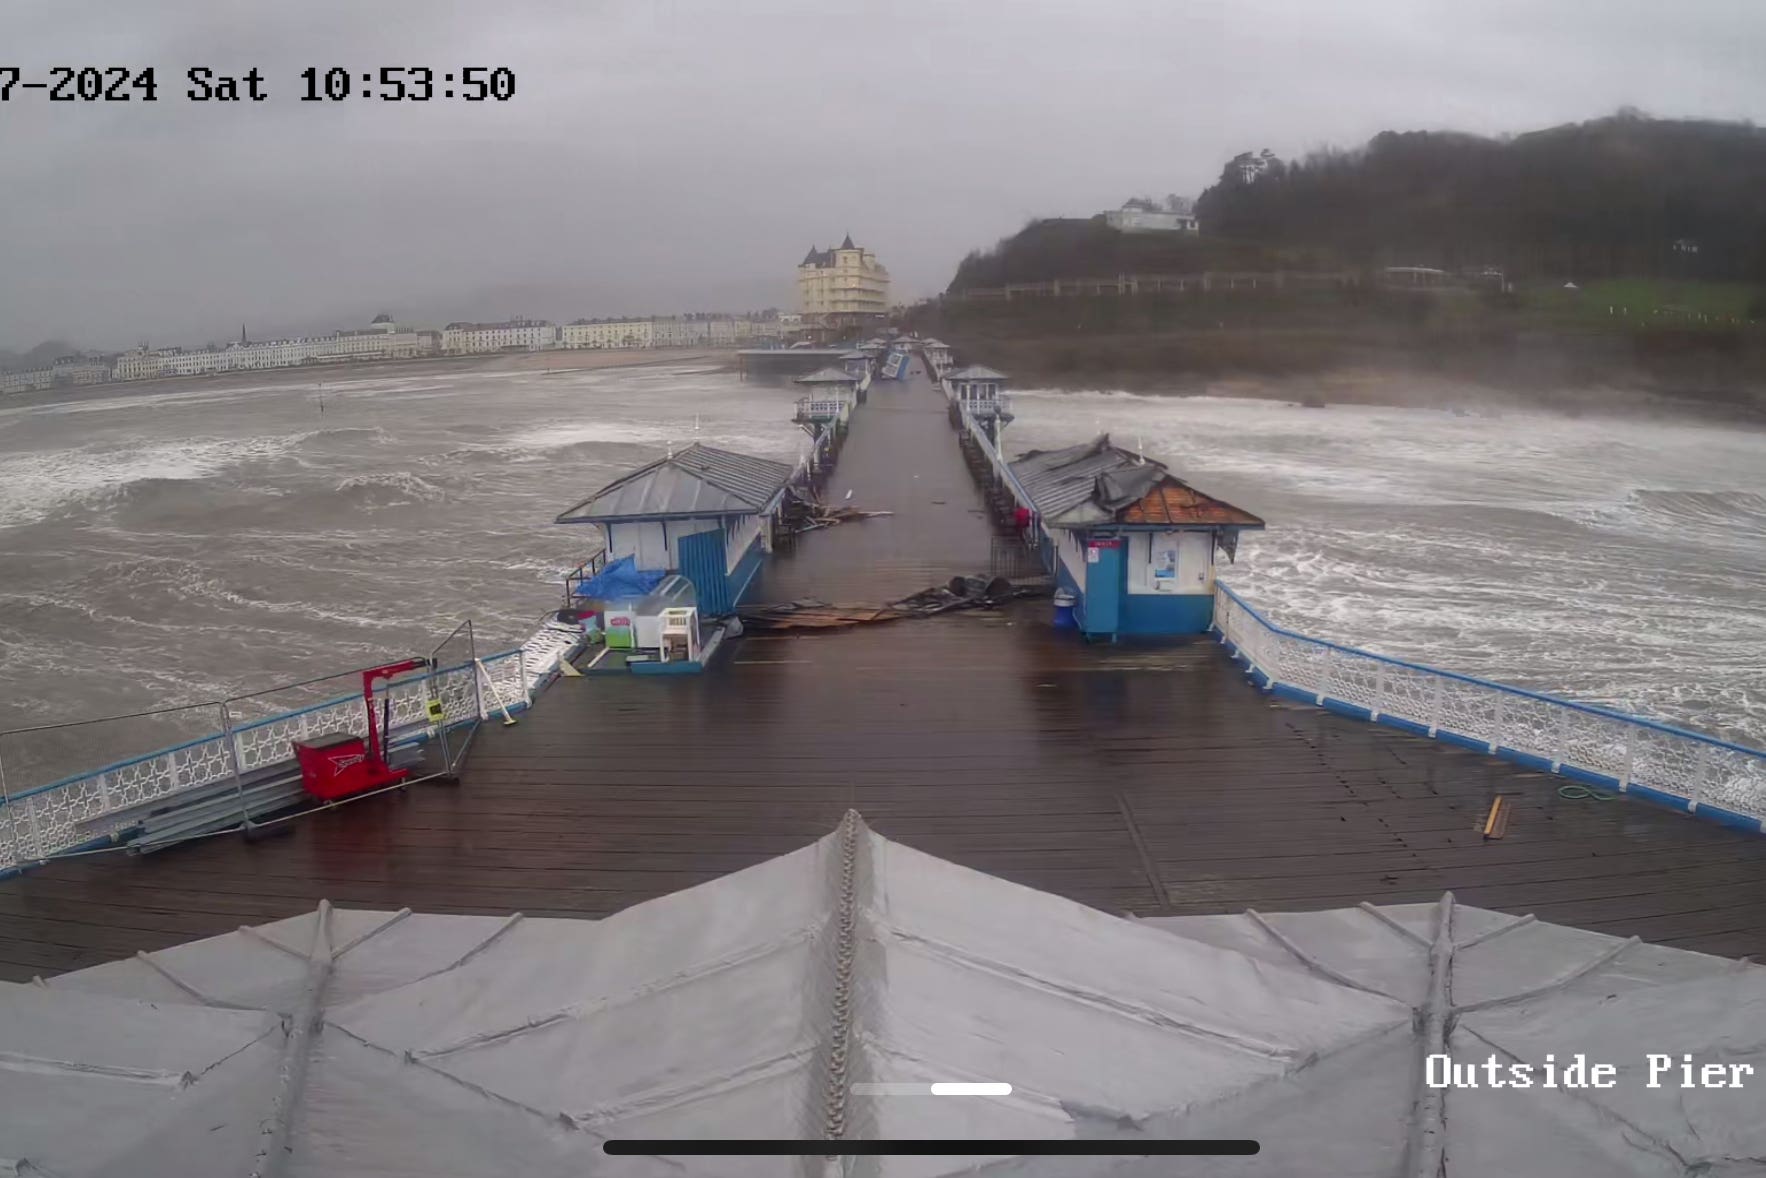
x=1134 y=543
x=704 y=513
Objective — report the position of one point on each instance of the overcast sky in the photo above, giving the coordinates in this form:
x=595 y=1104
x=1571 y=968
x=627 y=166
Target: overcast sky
x=665 y=155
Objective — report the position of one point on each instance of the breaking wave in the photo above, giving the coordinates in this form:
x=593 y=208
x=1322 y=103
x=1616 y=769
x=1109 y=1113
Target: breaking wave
x=1725 y=508
x=1727 y=517
x=342 y=433
x=390 y=489
x=37 y=487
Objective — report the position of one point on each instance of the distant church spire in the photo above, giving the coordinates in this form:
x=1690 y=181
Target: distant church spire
x=242 y=333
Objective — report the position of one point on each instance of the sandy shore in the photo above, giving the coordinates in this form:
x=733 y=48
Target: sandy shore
x=580 y=359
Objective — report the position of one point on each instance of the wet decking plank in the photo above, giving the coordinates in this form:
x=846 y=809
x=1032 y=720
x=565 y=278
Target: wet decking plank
x=988 y=739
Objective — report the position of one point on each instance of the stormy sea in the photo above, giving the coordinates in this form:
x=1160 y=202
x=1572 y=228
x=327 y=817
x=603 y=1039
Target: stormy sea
x=177 y=543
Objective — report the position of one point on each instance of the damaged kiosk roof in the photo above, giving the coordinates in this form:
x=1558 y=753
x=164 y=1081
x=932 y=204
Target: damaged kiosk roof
x=699 y=481
x=1098 y=482
x=759 y=1004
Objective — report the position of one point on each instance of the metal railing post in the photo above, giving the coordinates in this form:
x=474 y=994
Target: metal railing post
x=1435 y=707
x=1496 y=725
x=228 y=735
x=476 y=671
x=1373 y=713
x=431 y=692
x=521 y=666
x=6 y=808
x=1702 y=779
x=36 y=831
x=1630 y=757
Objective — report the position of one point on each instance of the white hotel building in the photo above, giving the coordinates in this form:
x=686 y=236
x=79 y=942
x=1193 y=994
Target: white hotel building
x=373 y=345
x=668 y=332
x=385 y=340
x=608 y=333
x=381 y=340
x=517 y=335
x=24 y=382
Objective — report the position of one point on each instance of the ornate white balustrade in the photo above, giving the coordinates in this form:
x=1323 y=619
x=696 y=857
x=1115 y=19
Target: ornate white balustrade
x=97 y=807
x=1711 y=777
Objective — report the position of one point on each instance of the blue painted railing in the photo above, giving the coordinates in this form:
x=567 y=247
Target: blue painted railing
x=1689 y=771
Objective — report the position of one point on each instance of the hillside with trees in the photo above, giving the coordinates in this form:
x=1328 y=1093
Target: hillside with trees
x=1076 y=247
x=1620 y=197
x=1622 y=253
x=41 y=356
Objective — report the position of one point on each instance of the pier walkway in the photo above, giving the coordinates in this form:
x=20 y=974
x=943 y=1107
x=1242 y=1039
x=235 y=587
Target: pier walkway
x=900 y=456
x=1154 y=781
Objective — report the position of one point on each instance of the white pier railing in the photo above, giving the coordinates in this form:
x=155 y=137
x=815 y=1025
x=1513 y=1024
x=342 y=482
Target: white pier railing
x=1687 y=770
x=98 y=807
x=972 y=425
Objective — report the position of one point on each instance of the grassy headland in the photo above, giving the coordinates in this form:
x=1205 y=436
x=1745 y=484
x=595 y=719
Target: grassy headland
x=1624 y=257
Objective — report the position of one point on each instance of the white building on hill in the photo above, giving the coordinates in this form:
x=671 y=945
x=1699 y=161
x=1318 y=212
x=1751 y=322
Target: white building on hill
x=1141 y=217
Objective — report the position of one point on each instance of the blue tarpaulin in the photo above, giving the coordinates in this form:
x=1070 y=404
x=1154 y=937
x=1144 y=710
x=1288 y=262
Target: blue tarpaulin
x=621 y=579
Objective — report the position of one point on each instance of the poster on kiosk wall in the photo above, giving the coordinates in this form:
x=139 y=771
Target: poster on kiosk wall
x=1165 y=570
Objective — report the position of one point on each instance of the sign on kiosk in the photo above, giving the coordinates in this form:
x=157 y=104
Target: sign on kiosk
x=1092 y=547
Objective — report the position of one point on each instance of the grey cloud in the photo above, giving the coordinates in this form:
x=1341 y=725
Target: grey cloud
x=681 y=154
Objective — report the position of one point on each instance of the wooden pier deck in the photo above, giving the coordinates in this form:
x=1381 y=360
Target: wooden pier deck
x=1147 y=780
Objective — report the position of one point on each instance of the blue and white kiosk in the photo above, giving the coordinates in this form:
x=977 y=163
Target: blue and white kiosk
x=856 y=363
x=704 y=513
x=979 y=391
x=938 y=357
x=1132 y=543
x=828 y=394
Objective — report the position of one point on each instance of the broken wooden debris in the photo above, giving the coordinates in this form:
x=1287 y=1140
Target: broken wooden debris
x=962 y=593
x=815 y=515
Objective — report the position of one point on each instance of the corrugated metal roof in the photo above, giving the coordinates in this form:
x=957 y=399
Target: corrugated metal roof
x=827 y=376
x=1097 y=482
x=700 y=480
x=976 y=372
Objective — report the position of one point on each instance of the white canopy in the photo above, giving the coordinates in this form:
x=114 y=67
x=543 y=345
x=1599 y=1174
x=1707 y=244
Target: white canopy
x=751 y=1006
